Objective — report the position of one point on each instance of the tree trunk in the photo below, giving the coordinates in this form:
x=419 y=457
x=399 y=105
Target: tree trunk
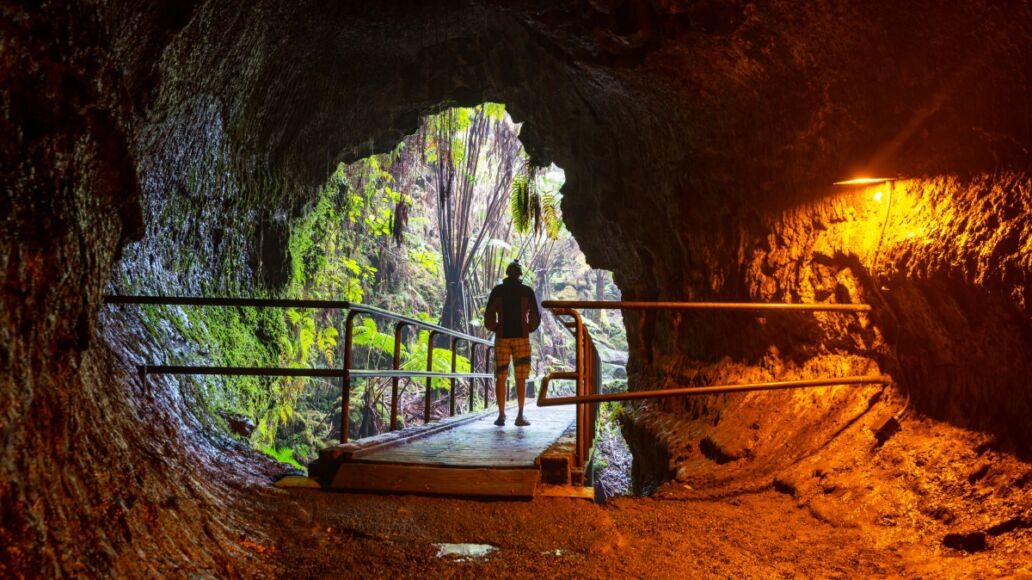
x=452 y=314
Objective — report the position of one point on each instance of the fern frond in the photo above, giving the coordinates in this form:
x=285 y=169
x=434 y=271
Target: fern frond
x=551 y=215
x=519 y=203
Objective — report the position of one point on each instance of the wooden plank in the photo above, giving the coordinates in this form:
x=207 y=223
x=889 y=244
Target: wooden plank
x=480 y=443
x=556 y=462
x=383 y=477
x=383 y=441
x=556 y=468
x=427 y=431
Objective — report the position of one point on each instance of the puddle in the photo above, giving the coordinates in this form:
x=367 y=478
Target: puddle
x=557 y=552
x=464 y=552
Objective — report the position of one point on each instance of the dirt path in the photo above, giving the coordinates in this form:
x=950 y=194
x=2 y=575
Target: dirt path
x=759 y=535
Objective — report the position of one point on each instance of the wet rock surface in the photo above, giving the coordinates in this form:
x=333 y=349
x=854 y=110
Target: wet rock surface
x=699 y=141
x=241 y=425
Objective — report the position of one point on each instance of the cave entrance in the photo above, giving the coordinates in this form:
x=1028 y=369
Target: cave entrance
x=427 y=229
x=424 y=230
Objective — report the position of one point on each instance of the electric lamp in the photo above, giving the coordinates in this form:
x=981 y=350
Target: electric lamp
x=867 y=181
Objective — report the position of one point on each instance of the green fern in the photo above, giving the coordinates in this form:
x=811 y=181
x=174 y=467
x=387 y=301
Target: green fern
x=519 y=203
x=368 y=335
x=553 y=221
x=283 y=455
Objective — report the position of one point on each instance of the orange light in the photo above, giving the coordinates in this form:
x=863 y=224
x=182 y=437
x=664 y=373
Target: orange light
x=878 y=196
x=864 y=181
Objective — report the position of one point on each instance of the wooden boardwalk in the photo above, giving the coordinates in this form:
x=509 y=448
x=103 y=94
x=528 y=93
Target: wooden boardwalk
x=466 y=455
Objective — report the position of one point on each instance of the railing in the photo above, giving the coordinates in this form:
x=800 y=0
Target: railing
x=588 y=376
x=346 y=373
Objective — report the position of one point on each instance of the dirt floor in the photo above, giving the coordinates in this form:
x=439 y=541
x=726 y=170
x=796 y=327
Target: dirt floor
x=752 y=535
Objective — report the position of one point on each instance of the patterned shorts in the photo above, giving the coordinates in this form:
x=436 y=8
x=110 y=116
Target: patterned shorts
x=515 y=349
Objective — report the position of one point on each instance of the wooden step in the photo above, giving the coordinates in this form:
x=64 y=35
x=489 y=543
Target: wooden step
x=421 y=479
x=556 y=462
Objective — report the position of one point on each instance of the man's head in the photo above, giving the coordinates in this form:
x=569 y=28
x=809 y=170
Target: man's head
x=514 y=270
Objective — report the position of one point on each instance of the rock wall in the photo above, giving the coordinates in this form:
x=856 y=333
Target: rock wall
x=99 y=474
x=944 y=449
x=944 y=263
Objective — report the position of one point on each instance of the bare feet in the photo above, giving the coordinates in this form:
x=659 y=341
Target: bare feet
x=501 y=420
x=521 y=422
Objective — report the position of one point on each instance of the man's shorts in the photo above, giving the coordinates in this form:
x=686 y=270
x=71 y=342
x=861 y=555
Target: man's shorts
x=515 y=349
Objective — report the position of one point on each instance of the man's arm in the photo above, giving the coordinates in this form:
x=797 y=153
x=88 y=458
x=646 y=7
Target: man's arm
x=534 y=316
x=491 y=316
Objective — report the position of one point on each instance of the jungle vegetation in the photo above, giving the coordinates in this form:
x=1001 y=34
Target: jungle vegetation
x=424 y=230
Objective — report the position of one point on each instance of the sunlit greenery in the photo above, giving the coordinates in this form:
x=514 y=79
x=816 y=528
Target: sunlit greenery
x=424 y=230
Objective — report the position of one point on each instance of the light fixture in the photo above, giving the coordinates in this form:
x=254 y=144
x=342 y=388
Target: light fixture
x=865 y=181
x=856 y=181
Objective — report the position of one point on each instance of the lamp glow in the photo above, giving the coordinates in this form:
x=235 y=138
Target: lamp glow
x=865 y=181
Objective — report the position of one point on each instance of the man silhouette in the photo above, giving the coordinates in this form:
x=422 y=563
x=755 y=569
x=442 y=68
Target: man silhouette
x=512 y=314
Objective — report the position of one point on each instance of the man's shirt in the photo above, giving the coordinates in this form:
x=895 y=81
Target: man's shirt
x=512 y=310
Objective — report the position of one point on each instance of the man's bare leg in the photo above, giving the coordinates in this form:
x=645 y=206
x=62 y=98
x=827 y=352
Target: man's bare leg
x=521 y=396
x=501 y=378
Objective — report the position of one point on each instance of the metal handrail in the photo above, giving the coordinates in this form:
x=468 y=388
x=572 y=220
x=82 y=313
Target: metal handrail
x=742 y=306
x=714 y=390
x=301 y=372
x=289 y=303
x=417 y=322
x=587 y=375
x=346 y=373
x=149 y=369
x=205 y=301
x=418 y=374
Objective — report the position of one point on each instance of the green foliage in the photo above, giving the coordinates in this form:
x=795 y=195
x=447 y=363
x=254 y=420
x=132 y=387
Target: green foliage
x=416 y=360
x=307 y=340
x=495 y=111
x=368 y=335
x=429 y=260
x=521 y=205
x=550 y=215
x=283 y=454
x=534 y=204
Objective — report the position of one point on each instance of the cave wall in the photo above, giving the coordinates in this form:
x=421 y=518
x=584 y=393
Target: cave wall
x=96 y=475
x=943 y=262
x=699 y=140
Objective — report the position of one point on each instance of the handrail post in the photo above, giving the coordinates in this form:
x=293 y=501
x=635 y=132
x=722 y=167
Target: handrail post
x=429 y=368
x=487 y=369
x=581 y=382
x=398 y=331
x=345 y=388
x=595 y=388
x=472 y=349
x=454 y=380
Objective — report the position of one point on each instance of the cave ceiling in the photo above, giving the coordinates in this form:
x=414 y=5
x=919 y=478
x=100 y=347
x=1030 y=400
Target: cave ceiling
x=662 y=109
